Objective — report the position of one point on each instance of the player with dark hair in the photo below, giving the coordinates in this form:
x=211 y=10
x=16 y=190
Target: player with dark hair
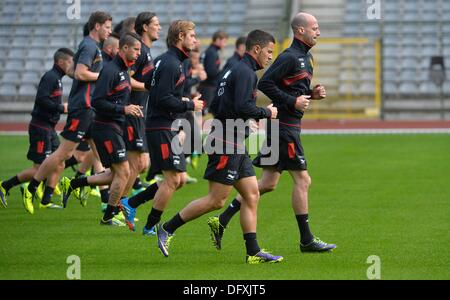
x=287 y=83
x=111 y=101
x=237 y=55
x=42 y=135
x=124 y=26
x=88 y=63
x=166 y=88
x=148 y=28
x=234 y=100
x=211 y=61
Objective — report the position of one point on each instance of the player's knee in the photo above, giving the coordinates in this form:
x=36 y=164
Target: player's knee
x=183 y=180
x=268 y=187
x=173 y=182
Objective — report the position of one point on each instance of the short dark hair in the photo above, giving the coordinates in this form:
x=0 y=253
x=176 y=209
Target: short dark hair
x=219 y=35
x=98 y=17
x=143 y=18
x=124 y=25
x=258 y=37
x=241 y=41
x=62 y=53
x=129 y=39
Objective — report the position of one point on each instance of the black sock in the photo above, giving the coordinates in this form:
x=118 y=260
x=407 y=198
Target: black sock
x=173 y=224
x=251 y=243
x=32 y=187
x=137 y=184
x=71 y=162
x=230 y=211
x=79 y=174
x=144 y=196
x=306 y=236
x=153 y=218
x=79 y=182
x=109 y=212
x=10 y=183
x=48 y=193
x=104 y=194
x=117 y=211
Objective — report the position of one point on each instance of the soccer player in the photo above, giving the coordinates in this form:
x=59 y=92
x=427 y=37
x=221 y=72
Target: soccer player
x=237 y=55
x=111 y=101
x=211 y=61
x=88 y=63
x=148 y=28
x=124 y=26
x=42 y=135
x=110 y=48
x=165 y=103
x=235 y=100
x=287 y=84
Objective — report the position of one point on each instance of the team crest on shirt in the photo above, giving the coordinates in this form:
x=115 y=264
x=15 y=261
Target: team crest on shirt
x=98 y=57
x=59 y=83
x=302 y=62
x=122 y=76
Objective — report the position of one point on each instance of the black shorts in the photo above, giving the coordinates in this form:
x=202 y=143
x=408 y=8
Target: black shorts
x=83 y=146
x=291 y=154
x=78 y=125
x=162 y=156
x=135 y=138
x=43 y=142
x=228 y=168
x=108 y=139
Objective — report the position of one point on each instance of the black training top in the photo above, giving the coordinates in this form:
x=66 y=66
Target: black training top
x=106 y=58
x=211 y=61
x=112 y=92
x=142 y=73
x=166 y=90
x=190 y=81
x=288 y=78
x=48 y=104
x=231 y=62
x=90 y=55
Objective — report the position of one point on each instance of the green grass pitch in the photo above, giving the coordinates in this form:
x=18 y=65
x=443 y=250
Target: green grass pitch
x=384 y=195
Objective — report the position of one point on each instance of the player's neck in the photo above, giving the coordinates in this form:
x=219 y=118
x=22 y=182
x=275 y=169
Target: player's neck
x=147 y=41
x=94 y=35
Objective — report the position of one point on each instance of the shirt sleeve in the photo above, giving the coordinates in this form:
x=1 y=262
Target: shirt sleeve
x=87 y=55
x=269 y=83
x=45 y=89
x=211 y=69
x=103 y=86
x=244 y=103
x=165 y=81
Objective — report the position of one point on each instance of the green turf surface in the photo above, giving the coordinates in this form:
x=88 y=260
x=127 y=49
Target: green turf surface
x=385 y=195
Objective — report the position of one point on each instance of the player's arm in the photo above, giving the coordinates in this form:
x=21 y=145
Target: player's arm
x=280 y=69
x=318 y=92
x=243 y=98
x=166 y=85
x=137 y=85
x=45 y=89
x=211 y=68
x=103 y=87
x=85 y=59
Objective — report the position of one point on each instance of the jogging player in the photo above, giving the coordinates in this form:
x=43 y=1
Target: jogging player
x=42 y=135
x=165 y=103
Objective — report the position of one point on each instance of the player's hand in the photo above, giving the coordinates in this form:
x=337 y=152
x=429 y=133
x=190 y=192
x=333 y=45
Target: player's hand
x=66 y=107
x=134 y=110
x=302 y=103
x=253 y=126
x=274 y=111
x=202 y=75
x=198 y=104
x=319 y=92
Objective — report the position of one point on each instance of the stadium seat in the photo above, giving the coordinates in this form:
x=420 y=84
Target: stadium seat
x=27 y=90
x=10 y=77
x=8 y=90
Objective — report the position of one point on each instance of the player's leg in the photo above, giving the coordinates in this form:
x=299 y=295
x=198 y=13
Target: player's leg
x=50 y=184
x=248 y=189
x=308 y=243
x=121 y=174
x=267 y=183
x=215 y=199
x=23 y=176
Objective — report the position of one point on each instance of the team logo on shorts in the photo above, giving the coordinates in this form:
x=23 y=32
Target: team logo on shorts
x=176 y=160
x=121 y=153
